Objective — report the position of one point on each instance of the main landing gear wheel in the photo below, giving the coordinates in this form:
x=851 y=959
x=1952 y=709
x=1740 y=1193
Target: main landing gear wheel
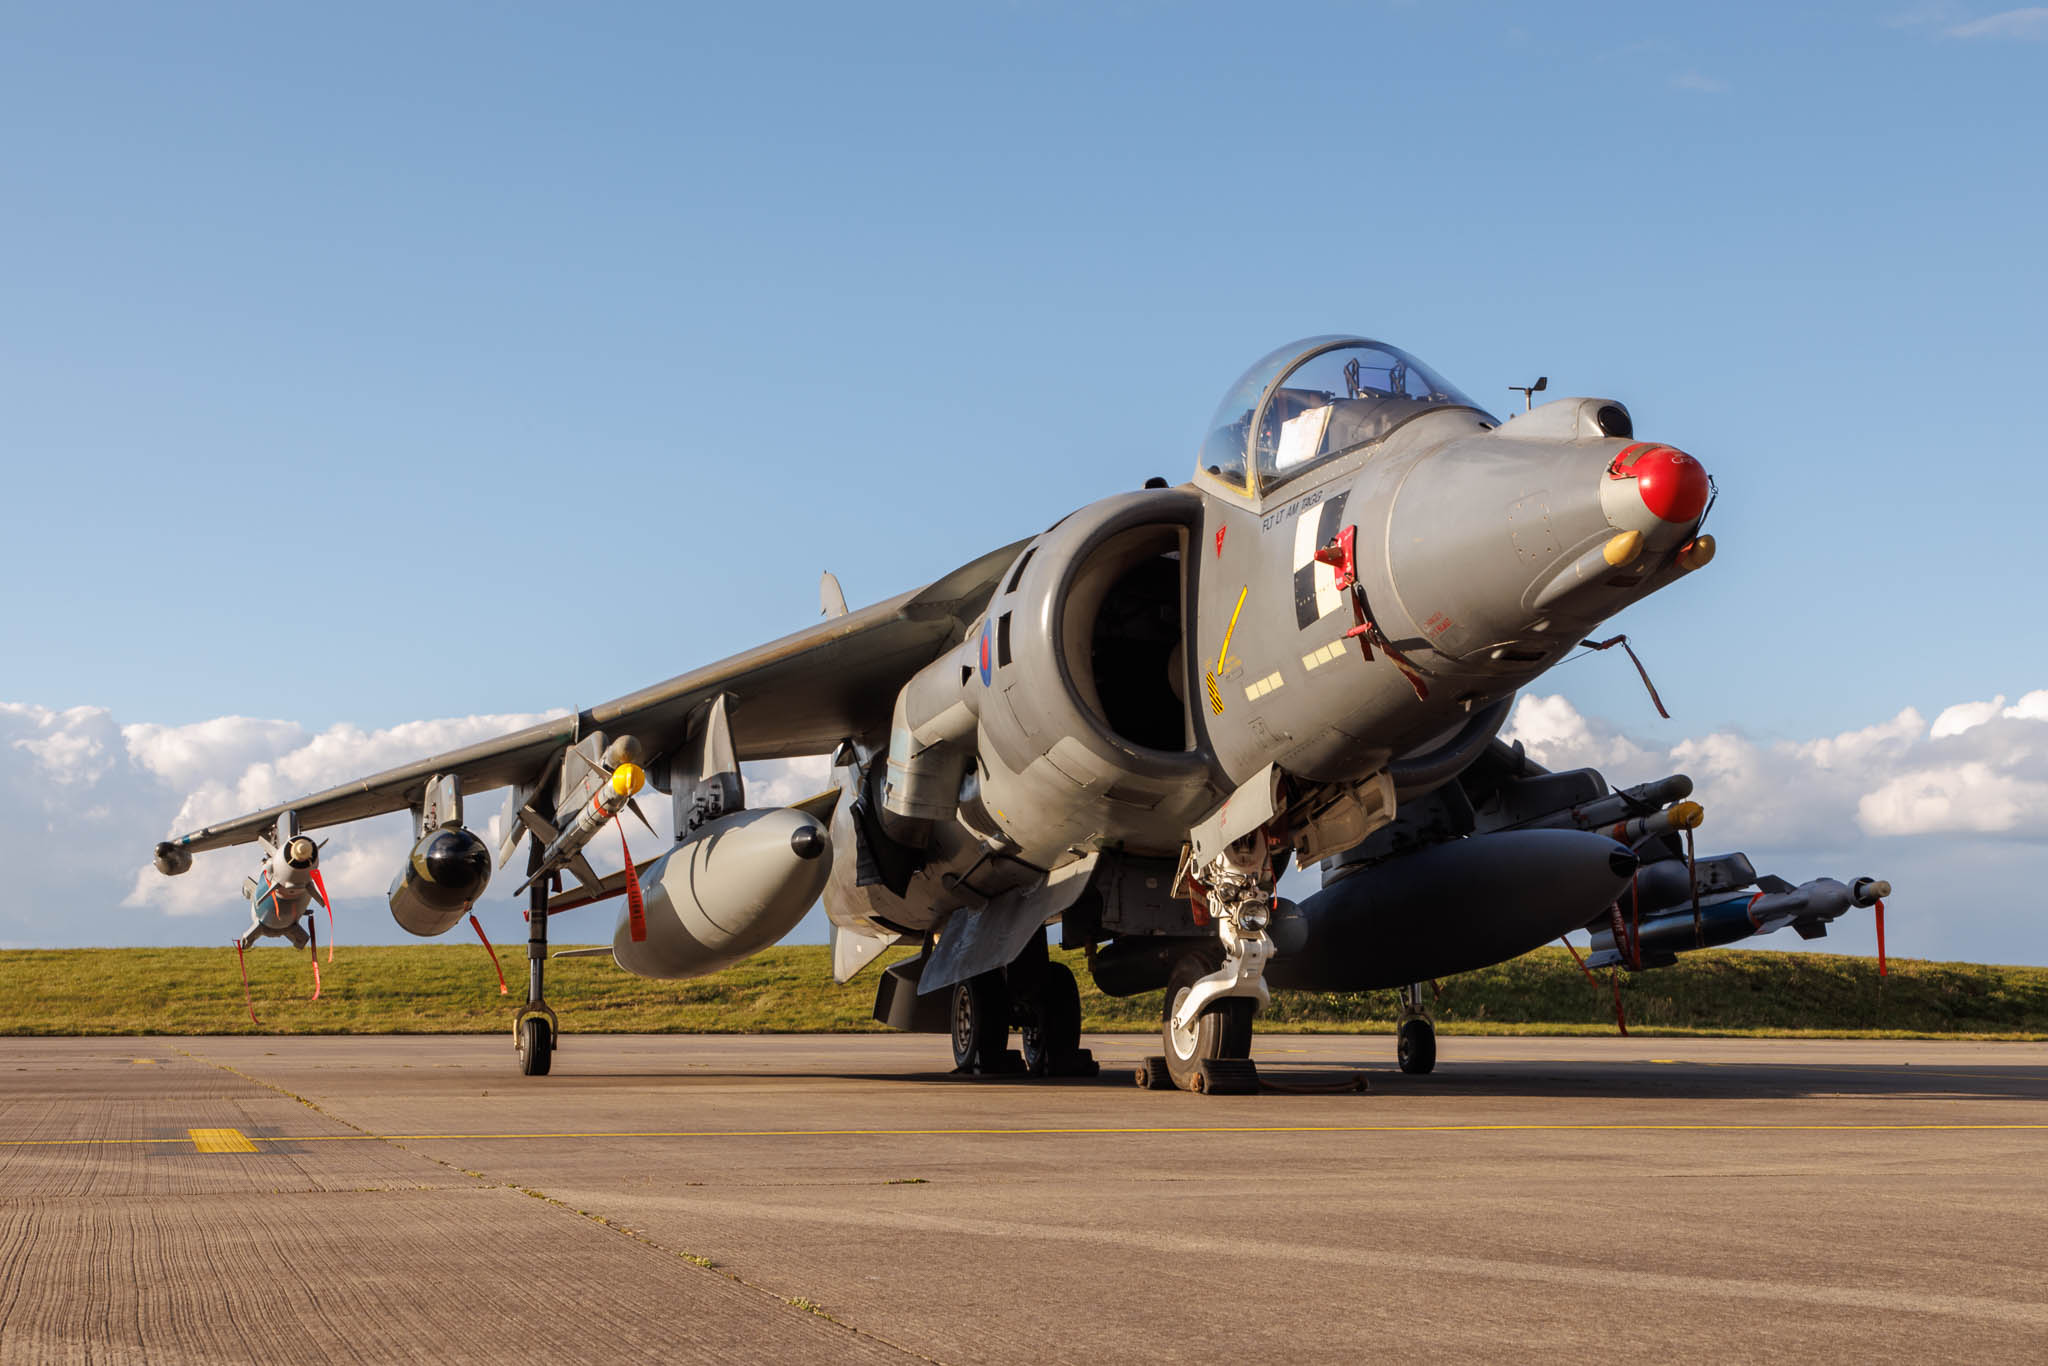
x=1224 y=1030
x=1415 y=1046
x=1052 y=1031
x=981 y=1023
x=536 y=1045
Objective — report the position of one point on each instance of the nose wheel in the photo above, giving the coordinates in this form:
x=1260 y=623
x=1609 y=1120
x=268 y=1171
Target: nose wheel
x=1222 y=1032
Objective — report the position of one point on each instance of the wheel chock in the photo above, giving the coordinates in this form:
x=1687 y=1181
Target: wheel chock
x=1227 y=1077
x=1075 y=1062
x=1152 y=1075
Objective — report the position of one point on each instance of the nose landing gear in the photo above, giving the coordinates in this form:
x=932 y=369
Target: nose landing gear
x=1213 y=992
x=1221 y=1032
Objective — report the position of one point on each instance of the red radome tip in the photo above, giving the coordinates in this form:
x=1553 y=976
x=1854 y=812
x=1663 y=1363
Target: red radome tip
x=1672 y=484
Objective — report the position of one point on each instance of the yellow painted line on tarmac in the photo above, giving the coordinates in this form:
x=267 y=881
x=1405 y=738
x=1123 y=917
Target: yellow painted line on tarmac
x=83 y=1142
x=1169 y=1130
x=221 y=1141
x=1900 y=1069
x=144 y=1061
x=235 y=1141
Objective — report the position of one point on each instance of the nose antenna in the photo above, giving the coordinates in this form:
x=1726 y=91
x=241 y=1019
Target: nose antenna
x=1529 y=391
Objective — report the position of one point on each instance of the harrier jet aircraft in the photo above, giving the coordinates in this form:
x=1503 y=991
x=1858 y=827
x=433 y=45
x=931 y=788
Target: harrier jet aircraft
x=1125 y=725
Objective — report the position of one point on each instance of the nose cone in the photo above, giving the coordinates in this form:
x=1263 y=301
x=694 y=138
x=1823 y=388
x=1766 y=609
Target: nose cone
x=1672 y=485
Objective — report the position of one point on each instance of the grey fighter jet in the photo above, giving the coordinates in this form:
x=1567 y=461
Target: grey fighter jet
x=1125 y=725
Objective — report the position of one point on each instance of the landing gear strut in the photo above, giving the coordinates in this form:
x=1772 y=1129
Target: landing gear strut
x=535 y=1026
x=1211 y=997
x=1415 y=1036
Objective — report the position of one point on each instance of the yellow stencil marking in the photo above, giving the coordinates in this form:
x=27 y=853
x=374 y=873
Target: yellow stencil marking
x=1224 y=653
x=1215 y=696
x=221 y=1141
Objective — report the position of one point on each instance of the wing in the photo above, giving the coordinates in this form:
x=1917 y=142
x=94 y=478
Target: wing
x=801 y=694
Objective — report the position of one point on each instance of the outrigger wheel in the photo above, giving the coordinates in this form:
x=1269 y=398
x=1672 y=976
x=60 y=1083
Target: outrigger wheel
x=535 y=1034
x=1223 y=1031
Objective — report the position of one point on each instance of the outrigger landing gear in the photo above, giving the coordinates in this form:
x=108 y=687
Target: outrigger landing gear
x=535 y=1026
x=1415 y=1036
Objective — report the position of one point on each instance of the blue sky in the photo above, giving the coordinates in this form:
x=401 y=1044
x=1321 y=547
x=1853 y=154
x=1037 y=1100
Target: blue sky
x=529 y=355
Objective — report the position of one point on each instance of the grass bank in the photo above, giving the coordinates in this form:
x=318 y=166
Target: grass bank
x=450 y=989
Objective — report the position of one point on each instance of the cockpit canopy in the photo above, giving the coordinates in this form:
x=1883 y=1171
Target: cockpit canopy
x=1313 y=400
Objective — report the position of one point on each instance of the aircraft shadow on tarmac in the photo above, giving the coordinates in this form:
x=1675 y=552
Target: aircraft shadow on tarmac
x=1533 y=1079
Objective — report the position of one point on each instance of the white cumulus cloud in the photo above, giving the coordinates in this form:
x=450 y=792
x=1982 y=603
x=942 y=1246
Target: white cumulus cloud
x=85 y=798
x=1980 y=769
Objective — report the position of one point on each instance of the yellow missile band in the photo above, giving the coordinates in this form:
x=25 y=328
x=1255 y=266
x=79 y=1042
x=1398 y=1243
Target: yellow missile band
x=1687 y=816
x=1623 y=548
x=628 y=779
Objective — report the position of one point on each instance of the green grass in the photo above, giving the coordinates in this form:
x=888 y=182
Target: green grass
x=450 y=989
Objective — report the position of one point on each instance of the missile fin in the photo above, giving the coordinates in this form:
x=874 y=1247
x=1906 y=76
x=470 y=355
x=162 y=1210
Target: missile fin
x=633 y=805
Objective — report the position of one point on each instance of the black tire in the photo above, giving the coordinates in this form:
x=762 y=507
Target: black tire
x=1415 y=1046
x=536 y=1046
x=1223 y=1031
x=1054 y=1030
x=981 y=1022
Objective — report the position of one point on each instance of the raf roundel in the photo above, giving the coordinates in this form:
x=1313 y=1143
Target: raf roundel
x=984 y=654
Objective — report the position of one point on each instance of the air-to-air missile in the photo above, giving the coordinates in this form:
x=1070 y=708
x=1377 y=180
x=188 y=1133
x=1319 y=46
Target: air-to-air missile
x=591 y=818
